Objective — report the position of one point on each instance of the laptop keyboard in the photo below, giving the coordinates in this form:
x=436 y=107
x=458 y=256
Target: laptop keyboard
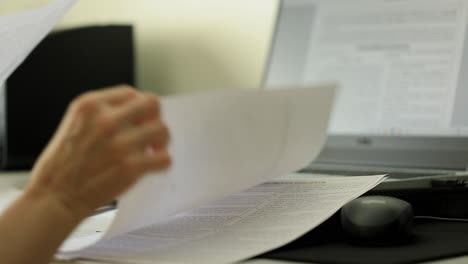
x=394 y=175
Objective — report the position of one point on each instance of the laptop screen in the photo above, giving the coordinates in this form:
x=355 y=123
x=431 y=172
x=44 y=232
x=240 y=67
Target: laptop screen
x=402 y=66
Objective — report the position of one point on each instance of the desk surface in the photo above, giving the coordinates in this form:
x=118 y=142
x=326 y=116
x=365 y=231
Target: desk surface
x=266 y=261
x=19 y=179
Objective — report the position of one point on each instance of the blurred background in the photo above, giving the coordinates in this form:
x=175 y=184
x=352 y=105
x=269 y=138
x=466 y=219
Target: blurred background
x=183 y=45
x=162 y=46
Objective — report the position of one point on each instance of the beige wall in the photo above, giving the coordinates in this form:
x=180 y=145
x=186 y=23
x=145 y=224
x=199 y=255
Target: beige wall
x=13 y=6
x=185 y=45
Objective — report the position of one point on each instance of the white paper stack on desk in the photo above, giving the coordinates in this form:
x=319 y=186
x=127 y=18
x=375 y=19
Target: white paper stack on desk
x=228 y=230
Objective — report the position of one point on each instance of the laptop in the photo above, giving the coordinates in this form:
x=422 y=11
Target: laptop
x=402 y=66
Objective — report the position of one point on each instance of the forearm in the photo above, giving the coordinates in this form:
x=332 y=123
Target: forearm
x=99 y=151
x=33 y=228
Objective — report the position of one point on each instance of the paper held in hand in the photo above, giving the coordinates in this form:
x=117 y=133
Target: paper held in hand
x=224 y=144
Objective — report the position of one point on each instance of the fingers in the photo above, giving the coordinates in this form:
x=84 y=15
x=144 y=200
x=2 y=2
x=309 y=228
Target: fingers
x=131 y=129
x=151 y=115
x=126 y=174
x=128 y=127
x=142 y=162
x=90 y=102
x=136 y=110
x=102 y=121
x=115 y=95
x=108 y=139
x=154 y=134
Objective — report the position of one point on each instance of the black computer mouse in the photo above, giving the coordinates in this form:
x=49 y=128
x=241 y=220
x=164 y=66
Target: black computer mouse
x=377 y=220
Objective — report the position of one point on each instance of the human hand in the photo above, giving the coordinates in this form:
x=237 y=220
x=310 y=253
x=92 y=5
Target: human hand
x=106 y=141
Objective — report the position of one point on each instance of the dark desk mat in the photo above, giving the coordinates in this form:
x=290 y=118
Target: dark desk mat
x=327 y=244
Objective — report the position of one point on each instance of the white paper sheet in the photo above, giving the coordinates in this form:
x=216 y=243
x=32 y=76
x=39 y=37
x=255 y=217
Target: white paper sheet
x=225 y=142
x=241 y=226
x=20 y=33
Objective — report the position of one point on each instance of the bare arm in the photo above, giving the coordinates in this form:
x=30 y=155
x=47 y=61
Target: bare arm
x=105 y=143
x=33 y=228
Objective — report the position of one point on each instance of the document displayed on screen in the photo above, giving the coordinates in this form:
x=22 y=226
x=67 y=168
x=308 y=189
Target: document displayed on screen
x=398 y=62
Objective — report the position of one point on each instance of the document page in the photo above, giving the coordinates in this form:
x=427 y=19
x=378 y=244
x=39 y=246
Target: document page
x=20 y=33
x=222 y=143
x=240 y=226
x=398 y=63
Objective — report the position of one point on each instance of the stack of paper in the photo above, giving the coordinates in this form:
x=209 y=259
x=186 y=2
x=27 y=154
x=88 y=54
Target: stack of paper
x=205 y=209
x=225 y=142
x=232 y=229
